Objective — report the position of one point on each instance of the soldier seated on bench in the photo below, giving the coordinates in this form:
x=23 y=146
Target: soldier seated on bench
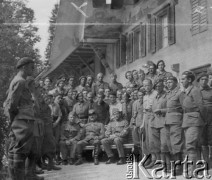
x=93 y=132
x=116 y=133
x=70 y=135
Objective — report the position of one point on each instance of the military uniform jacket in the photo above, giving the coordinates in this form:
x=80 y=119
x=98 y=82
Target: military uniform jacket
x=19 y=103
x=159 y=103
x=137 y=111
x=97 y=85
x=174 y=107
x=207 y=104
x=102 y=111
x=70 y=132
x=118 y=128
x=193 y=107
x=81 y=110
x=93 y=130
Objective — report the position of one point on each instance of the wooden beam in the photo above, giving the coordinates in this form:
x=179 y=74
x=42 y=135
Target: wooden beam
x=96 y=40
x=101 y=56
x=86 y=64
x=72 y=68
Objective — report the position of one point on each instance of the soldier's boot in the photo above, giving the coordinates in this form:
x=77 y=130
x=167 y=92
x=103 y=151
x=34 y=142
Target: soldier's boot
x=51 y=165
x=152 y=163
x=210 y=157
x=79 y=161
x=110 y=160
x=71 y=161
x=178 y=168
x=192 y=156
x=167 y=162
x=11 y=167
x=96 y=153
x=121 y=161
x=17 y=167
x=30 y=169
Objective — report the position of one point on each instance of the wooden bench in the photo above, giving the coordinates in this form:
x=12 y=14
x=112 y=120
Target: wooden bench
x=128 y=145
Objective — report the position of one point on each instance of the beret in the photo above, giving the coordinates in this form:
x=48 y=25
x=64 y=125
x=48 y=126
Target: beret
x=203 y=74
x=91 y=112
x=171 y=78
x=24 y=61
x=82 y=77
x=115 y=111
x=58 y=81
x=189 y=74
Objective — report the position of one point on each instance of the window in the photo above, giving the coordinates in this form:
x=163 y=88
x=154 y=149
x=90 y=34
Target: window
x=121 y=51
x=199 y=16
x=137 y=39
x=130 y=43
x=162 y=29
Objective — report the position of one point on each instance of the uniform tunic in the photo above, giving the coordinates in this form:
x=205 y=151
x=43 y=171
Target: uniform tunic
x=127 y=110
x=69 y=133
x=116 y=133
x=159 y=143
x=207 y=116
x=192 y=120
x=137 y=120
x=70 y=103
x=102 y=111
x=81 y=111
x=19 y=109
x=97 y=85
x=174 y=119
x=162 y=75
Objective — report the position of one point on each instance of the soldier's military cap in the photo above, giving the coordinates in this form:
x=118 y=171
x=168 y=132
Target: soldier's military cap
x=158 y=81
x=189 y=74
x=115 y=111
x=91 y=112
x=24 y=61
x=171 y=78
x=58 y=81
x=82 y=77
x=203 y=74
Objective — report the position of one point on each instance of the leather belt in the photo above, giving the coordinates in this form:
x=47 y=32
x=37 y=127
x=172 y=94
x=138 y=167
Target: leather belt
x=191 y=110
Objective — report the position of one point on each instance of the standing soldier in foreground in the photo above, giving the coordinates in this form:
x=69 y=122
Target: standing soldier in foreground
x=19 y=109
x=206 y=141
x=192 y=118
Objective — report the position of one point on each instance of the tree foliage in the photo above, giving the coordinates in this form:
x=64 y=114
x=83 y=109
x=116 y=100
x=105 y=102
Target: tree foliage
x=51 y=30
x=18 y=37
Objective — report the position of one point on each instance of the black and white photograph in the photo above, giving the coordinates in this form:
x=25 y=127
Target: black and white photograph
x=105 y=89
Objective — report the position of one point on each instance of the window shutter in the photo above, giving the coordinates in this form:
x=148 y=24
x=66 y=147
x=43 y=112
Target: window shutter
x=152 y=34
x=143 y=40
x=136 y=43
x=171 y=21
x=203 y=16
x=131 y=48
x=128 y=48
x=118 y=54
x=159 y=34
x=123 y=49
x=199 y=16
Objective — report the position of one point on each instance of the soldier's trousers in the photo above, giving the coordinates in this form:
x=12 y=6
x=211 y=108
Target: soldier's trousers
x=148 y=131
x=136 y=136
x=192 y=136
x=176 y=138
x=206 y=136
x=68 y=151
x=119 y=145
x=158 y=143
x=21 y=145
x=81 y=144
x=56 y=133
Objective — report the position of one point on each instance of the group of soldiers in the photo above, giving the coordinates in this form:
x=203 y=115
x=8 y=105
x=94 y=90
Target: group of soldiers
x=53 y=123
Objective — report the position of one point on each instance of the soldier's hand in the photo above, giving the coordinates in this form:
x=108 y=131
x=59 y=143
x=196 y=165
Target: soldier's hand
x=68 y=143
x=112 y=136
